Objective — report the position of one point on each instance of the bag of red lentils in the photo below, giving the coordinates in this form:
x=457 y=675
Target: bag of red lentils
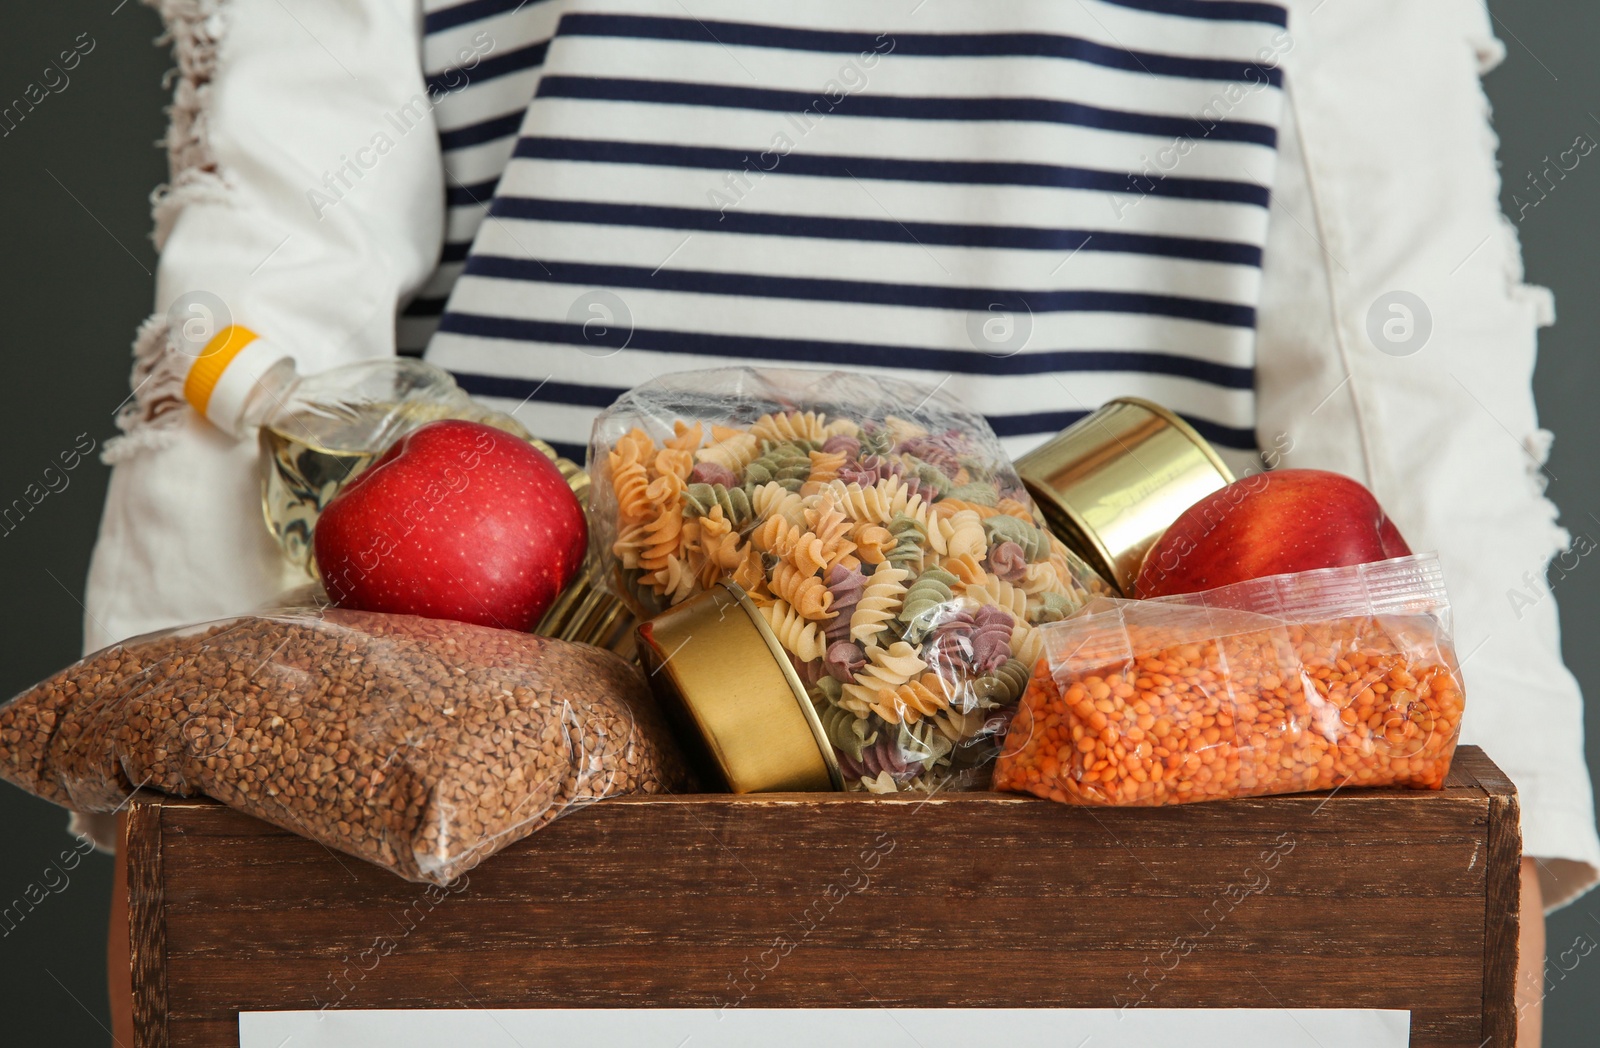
x=1309 y=681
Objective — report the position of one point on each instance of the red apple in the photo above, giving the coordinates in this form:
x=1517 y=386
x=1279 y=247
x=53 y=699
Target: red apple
x=1269 y=524
x=456 y=520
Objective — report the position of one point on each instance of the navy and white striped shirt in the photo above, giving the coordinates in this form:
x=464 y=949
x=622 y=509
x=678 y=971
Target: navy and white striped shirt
x=1037 y=204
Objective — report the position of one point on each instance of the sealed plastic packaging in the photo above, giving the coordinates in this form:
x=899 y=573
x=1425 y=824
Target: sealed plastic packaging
x=1310 y=681
x=880 y=531
x=422 y=745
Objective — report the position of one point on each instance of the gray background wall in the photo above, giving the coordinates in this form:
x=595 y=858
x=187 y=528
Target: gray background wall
x=76 y=281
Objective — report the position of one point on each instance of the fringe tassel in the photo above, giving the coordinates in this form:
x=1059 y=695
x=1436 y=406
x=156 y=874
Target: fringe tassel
x=154 y=411
x=194 y=29
x=150 y=418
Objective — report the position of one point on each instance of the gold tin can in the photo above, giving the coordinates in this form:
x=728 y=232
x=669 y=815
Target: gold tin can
x=1112 y=482
x=585 y=611
x=739 y=707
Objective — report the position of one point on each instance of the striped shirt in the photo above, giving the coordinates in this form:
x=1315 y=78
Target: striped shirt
x=1035 y=205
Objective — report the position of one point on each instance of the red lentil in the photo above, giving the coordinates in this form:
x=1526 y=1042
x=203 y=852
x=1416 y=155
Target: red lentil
x=1354 y=701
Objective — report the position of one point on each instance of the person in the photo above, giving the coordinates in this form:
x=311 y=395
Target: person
x=1279 y=219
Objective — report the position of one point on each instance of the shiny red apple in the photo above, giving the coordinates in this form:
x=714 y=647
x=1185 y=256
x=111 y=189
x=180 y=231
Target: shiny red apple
x=1269 y=524
x=456 y=520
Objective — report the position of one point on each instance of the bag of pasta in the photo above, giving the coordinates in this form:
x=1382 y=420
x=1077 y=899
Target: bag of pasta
x=878 y=529
x=1308 y=681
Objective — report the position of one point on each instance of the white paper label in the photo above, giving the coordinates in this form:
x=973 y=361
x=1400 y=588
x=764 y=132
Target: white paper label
x=832 y=1027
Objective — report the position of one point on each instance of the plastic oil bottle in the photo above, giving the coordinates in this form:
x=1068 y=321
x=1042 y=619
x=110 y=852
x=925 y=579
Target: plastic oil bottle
x=318 y=431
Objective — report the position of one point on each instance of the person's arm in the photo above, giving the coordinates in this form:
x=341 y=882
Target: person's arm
x=1388 y=185
x=1386 y=188
x=306 y=204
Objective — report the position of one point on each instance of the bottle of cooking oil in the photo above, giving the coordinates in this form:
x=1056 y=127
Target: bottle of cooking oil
x=326 y=428
x=318 y=431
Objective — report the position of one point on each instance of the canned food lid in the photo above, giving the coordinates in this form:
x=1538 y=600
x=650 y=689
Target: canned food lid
x=797 y=687
x=1112 y=482
x=734 y=696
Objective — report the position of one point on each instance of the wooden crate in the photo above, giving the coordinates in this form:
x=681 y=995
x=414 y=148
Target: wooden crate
x=1371 y=899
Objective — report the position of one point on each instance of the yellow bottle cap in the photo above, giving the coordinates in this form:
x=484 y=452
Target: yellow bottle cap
x=208 y=367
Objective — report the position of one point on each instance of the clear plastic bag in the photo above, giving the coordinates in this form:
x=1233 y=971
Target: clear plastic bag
x=1310 y=681
x=422 y=745
x=879 y=528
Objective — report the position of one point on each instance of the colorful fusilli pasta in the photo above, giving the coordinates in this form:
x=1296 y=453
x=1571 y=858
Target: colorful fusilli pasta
x=899 y=563
x=879 y=603
x=797 y=634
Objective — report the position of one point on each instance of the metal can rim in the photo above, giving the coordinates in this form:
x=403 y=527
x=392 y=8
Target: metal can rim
x=797 y=687
x=735 y=724
x=1077 y=463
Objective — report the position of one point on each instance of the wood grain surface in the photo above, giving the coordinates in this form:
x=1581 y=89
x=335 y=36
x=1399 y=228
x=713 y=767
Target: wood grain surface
x=1373 y=899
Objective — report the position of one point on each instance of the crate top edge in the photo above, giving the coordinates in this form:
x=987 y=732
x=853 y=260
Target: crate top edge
x=1472 y=774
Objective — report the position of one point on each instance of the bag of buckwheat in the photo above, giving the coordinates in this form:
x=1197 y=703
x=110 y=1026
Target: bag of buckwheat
x=879 y=528
x=422 y=745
